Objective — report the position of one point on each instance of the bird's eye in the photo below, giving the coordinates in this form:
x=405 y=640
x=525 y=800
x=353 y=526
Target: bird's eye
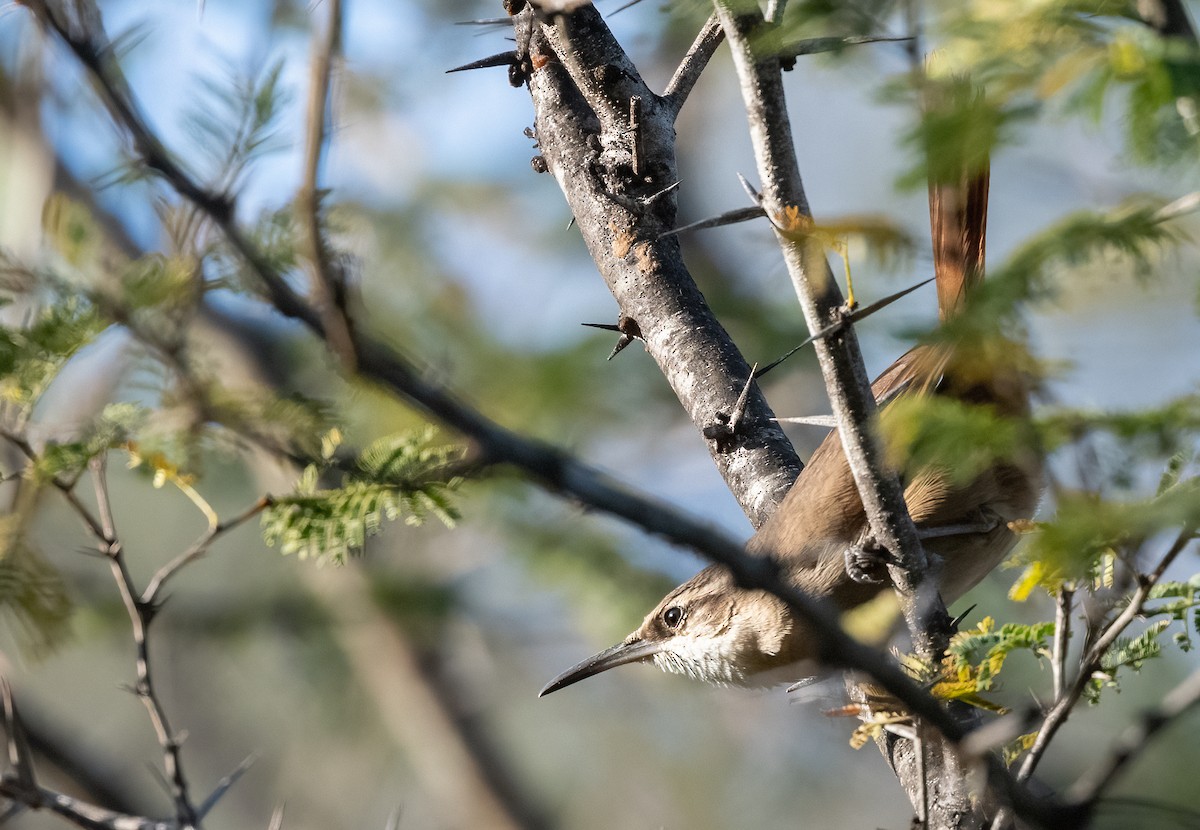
x=672 y=616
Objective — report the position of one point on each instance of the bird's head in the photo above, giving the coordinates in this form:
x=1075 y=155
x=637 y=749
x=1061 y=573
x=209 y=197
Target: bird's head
x=709 y=629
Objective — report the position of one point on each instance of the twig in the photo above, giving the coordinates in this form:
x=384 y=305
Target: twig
x=140 y=616
x=1092 y=786
x=198 y=549
x=1064 y=704
x=23 y=790
x=328 y=283
x=1062 y=638
x=693 y=64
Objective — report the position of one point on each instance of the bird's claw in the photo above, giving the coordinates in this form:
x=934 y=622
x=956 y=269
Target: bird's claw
x=867 y=561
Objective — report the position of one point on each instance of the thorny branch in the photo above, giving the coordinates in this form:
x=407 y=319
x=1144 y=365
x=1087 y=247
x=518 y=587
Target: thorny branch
x=1090 y=662
x=140 y=615
x=839 y=355
x=20 y=787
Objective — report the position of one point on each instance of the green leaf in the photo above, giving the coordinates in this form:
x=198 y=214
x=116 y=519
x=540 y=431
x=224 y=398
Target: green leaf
x=396 y=477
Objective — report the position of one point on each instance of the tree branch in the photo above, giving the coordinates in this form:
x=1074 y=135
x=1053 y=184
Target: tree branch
x=1090 y=788
x=328 y=281
x=622 y=215
x=140 y=616
x=1090 y=661
x=839 y=355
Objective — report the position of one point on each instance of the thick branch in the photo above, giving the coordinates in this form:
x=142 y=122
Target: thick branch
x=615 y=176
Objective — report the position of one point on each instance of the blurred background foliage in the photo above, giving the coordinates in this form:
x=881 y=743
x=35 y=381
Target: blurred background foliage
x=356 y=686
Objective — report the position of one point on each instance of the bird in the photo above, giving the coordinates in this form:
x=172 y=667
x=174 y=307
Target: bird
x=714 y=630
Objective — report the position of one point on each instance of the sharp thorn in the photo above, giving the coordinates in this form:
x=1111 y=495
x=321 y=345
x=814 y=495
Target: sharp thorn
x=852 y=317
x=957 y=621
x=604 y=326
x=501 y=59
x=810 y=420
x=224 y=785
x=648 y=199
x=868 y=310
x=739 y=408
x=622 y=342
x=730 y=217
x=755 y=196
x=19 y=754
x=571 y=224
x=784 y=357
x=485 y=21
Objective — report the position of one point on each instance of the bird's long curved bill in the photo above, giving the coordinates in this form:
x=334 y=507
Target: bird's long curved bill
x=630 y=651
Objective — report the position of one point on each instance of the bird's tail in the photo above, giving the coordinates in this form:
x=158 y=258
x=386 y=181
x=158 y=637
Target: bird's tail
x=958 y=222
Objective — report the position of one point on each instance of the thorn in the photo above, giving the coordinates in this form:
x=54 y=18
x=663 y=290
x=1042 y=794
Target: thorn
x=957 y=621
x=571 y=224
x=277 y=817
x=623 y=7
x=500 y=59
x=224 y=785
x=739 y=408
x=623 y=341
x=810 y=420
x=628 y=329
x=755 y=196
x=851 y=317
x=648 y=199
x=485 y=21
x=730 y=217
x=799 y=684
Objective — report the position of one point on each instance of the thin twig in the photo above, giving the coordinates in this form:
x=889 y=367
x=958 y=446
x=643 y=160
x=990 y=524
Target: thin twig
x=328 y=283
x=1094 y=656
x=1062 y=638
x=139 y=618
x=693 y=64
x=1177 y=702
x=198 y=549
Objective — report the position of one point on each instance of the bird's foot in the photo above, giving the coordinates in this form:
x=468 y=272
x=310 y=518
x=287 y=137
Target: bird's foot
x=867 y=560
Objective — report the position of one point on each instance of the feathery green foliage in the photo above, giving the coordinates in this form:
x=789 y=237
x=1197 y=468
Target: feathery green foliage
x=978 y=655
x=32 y=592
x=396 y=477
x=1126 y=653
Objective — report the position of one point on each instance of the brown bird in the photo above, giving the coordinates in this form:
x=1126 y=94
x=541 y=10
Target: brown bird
x=713 y=630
